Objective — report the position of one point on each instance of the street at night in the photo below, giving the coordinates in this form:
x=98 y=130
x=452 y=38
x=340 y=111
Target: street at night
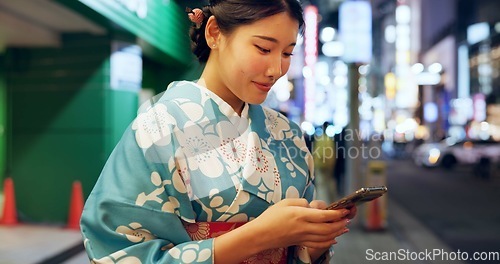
x=459 y=208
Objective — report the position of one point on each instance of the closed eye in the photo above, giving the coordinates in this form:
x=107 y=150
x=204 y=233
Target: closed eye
x=263 y=50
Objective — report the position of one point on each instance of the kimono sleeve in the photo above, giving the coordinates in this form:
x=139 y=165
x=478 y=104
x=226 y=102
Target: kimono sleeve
x=135 y=212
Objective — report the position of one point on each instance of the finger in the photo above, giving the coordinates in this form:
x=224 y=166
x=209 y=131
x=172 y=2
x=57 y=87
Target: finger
x=318 y=204
x=322 y=216
x=323 y=240
x=294 y=202
x=319 y=238
x=319 y=245
x=352 y=212
x=322 y=231
x=326 y=229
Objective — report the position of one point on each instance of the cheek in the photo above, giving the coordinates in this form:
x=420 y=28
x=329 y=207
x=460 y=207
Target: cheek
x=253 y=66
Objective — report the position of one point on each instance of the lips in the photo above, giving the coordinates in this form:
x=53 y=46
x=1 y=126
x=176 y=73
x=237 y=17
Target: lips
x=265 y=87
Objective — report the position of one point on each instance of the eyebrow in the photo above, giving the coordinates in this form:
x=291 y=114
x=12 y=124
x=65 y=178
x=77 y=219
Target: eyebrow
x=271 y=39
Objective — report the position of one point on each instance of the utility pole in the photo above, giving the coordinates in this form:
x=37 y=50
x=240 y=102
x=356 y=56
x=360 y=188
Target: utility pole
x=353 y=144
x=355 y=19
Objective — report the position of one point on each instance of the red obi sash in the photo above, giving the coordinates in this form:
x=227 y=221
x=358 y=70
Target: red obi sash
x=207 y=230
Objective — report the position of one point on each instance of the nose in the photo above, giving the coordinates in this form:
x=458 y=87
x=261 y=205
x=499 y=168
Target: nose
x=274 y=70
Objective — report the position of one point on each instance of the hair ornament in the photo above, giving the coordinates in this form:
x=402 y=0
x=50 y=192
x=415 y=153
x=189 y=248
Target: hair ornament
x=196 y=16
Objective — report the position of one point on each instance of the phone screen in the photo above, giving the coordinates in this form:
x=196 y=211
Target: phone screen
x=362 y=195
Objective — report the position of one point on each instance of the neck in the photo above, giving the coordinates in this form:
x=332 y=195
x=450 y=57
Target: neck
x=208 y=79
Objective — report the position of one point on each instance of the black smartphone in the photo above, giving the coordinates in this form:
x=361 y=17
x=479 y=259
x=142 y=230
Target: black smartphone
x=362 y=195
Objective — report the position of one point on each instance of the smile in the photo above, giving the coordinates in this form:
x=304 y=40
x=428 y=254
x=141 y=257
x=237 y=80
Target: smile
x=265 y=87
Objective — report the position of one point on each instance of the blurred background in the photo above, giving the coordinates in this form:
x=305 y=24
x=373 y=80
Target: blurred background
x=403 y=93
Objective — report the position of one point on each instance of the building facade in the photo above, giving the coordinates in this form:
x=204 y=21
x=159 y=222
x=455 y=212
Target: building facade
x=72 y=74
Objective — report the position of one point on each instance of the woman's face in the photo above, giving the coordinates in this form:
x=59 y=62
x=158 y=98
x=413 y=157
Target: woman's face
x=253 y=57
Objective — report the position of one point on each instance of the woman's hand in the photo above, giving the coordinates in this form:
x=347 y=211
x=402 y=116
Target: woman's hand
x=352 y=212
x=317 y=252
x=287 y=223
x=296 y=222
x=322 y=205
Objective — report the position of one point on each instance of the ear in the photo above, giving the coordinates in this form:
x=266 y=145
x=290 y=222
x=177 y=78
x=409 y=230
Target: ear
x=212 y=32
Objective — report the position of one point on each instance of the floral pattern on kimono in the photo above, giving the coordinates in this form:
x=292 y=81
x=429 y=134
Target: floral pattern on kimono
x=188 y=157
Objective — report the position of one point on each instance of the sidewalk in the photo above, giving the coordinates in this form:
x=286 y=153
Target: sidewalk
x=37 y=244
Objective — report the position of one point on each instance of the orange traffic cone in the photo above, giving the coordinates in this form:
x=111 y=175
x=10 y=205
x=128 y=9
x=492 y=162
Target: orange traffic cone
x=9 y=216
x=76 y=206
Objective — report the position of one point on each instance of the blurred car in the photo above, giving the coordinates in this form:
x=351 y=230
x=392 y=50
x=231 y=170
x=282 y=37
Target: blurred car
x=449 y=153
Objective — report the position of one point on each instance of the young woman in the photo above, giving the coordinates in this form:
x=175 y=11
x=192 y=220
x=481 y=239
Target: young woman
x=205 y=174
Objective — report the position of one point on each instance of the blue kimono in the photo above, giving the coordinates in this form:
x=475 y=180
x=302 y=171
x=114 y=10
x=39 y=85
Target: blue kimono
x=189 y=157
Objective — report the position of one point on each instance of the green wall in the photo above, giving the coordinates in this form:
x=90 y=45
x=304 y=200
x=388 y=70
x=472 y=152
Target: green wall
x=3 y=122
x=162 y=33
x=157 y=76
x=65 y=121
x=63 y=117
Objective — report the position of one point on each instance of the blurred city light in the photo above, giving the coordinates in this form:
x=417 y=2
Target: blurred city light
x=435 y=67
x=390 y=34
x=333 y=49
x=282 y=89
x=477 y=32
x=331 y=130
x=355 y=29
x=427 y=78
x=364 y=69
x=308 y=128
x=307 y=72
x=327 y=34
x=417 y=68
x=390 y=85
x=434 y=154
x=403 y=14
x=430 y=112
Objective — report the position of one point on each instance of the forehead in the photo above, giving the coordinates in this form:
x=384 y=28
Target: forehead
x=280 y=26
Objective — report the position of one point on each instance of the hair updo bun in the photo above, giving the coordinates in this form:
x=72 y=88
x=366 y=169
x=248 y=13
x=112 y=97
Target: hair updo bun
x=199 y=44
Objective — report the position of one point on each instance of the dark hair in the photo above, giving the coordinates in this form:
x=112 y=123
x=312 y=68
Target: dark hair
x=231 y=14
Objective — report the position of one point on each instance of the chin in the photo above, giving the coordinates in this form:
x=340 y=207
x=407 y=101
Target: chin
x=256 y=100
